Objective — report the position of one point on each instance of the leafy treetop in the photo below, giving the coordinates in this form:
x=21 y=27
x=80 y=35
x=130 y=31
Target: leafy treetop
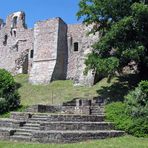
x=123 y=26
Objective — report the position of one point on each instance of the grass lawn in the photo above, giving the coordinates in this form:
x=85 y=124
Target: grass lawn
x=56 y=92
x=121 y=142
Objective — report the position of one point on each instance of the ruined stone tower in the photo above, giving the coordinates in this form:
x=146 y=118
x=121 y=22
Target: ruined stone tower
x=51 y=51
x=15 y=43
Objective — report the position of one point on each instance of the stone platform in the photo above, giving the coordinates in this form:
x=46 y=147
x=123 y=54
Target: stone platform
x=58 y=124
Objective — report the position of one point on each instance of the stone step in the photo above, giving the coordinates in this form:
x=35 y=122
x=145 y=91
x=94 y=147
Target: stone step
x=64 y=136
x=100 y=107
x=73 y=136
x=73 y=118
x=20 y=138
x=29 y=127
x=21 y=130
x=22 y=133
x=6 y=122
x=76 y=126
x=32 y=125
x=6 y=132
x=69 y=126
x=96 y=111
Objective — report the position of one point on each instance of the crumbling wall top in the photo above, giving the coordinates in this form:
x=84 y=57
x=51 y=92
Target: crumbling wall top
x=16 y=20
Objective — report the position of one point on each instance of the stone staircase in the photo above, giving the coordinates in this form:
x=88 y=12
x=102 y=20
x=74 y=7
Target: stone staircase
x=57 y=128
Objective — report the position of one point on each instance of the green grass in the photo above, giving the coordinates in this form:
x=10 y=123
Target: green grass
x=121 y=142
x=56 y=92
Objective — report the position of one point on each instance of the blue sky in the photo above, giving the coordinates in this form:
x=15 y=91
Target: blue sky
x=41 y=9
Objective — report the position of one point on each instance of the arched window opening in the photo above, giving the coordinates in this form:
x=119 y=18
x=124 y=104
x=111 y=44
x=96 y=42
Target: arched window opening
x=5 y=40
x=14 y=23
x=76 y=46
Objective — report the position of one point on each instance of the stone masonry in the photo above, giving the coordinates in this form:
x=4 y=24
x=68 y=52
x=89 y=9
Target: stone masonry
x=74 y=121
x=51 y=51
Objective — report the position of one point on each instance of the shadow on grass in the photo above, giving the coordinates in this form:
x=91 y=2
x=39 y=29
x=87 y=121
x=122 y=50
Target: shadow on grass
x=17 y=85
x=119 y=89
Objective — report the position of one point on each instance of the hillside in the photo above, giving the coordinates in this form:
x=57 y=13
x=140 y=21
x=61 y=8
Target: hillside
x=56 y=92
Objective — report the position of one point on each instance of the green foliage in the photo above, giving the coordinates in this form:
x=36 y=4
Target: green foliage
x=137 y=106
x=3 y=105
x=93 y=62
x=123 y=28
x=139 y=127
x=104 y=13
x=137 y=101
x=9 y=98
x=116 y=112
x=132 y=116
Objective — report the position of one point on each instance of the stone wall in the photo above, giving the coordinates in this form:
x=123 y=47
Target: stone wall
x=60 y=69
x=45 y=47
x=15 y=43
x=49 y=62
x=51 y=51
x=79 y=34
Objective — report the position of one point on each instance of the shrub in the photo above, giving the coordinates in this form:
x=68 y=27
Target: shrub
x=139 y=127
x=131 y=115
x=137 y=101
x=115 y=112
x=8 y=93
x=137 y=106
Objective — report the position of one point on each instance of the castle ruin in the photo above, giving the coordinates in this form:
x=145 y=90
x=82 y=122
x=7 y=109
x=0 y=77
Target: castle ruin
x=52 y=50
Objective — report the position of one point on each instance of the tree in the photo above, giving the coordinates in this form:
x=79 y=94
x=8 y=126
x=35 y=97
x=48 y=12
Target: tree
x=123 y=26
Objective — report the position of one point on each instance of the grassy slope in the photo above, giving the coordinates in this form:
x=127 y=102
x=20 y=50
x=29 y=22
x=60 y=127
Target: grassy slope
x=122 y=142
x=58 y=91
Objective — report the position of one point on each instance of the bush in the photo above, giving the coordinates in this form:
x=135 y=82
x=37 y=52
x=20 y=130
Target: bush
x=132 y=115
x=115 y=112
x=139 y=127
x=9 y=97
x=137 y=101
x=137 y=106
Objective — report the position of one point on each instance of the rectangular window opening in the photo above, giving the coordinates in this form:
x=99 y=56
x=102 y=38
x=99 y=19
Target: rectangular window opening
x=76 y=46
x=31 y=53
